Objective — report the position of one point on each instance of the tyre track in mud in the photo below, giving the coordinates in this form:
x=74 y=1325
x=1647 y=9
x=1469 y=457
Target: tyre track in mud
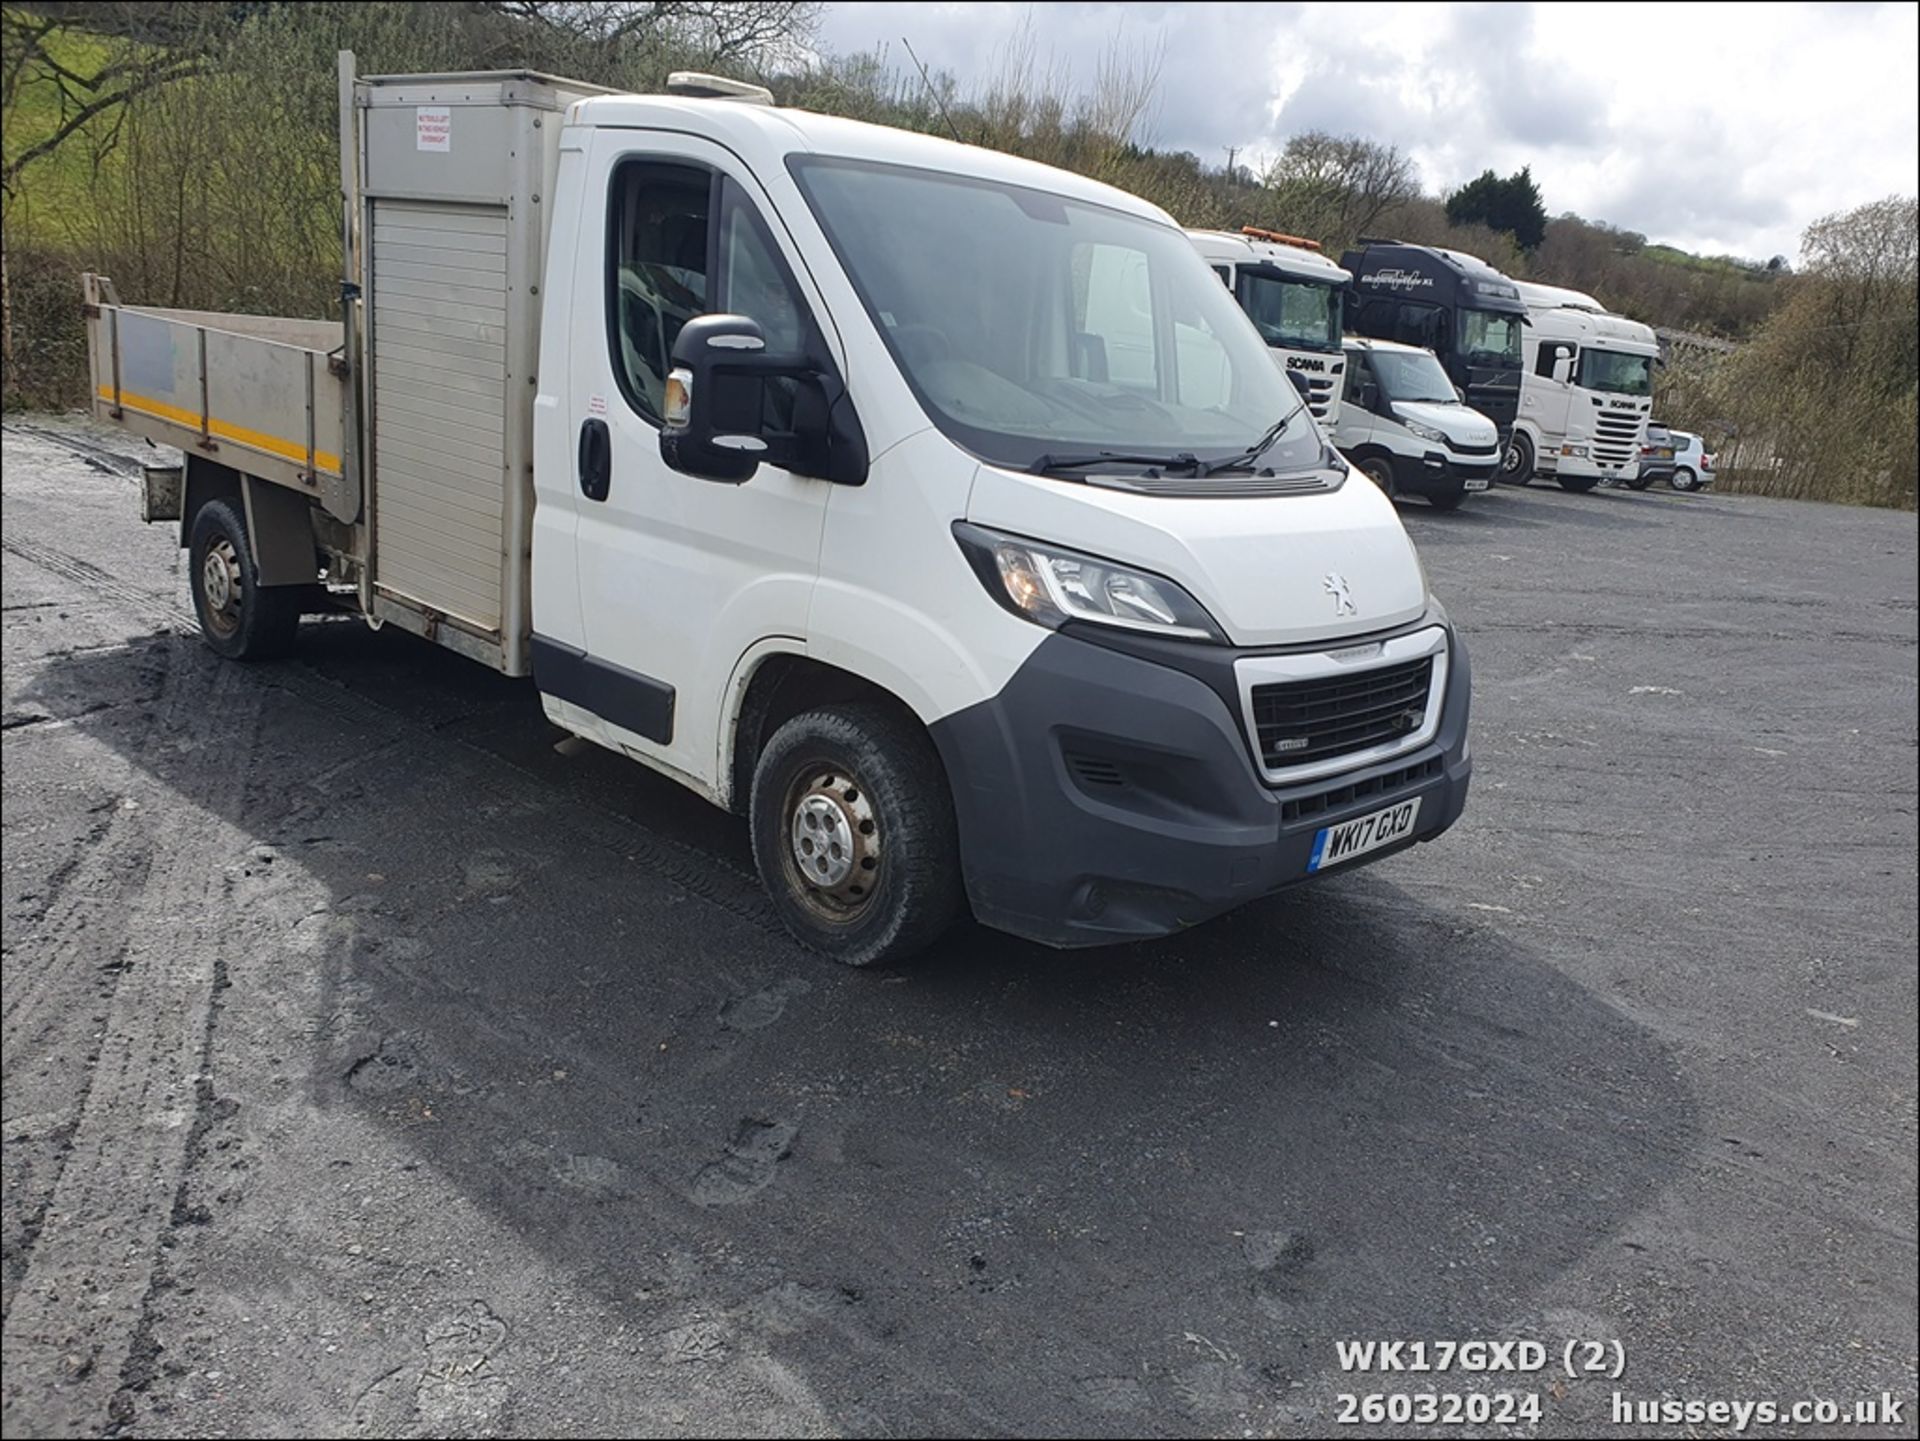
x=98 y=1238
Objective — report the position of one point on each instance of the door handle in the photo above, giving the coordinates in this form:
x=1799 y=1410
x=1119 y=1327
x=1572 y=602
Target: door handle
x=596 y=459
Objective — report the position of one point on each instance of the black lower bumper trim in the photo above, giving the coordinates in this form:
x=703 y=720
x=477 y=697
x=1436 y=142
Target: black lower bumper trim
x=1102 y=797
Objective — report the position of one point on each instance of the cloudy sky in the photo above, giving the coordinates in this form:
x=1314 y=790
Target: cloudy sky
x=1717 y=127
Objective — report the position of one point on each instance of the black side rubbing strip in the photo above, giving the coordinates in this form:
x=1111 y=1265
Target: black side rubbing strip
x=632 y=701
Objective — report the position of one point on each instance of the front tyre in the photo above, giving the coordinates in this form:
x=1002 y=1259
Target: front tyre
x=1516 y=462
x=1578 y=484
x=240 y=618
x=1379 y=470
x=1637 y=481
x=1449 y=499
x=854 y=835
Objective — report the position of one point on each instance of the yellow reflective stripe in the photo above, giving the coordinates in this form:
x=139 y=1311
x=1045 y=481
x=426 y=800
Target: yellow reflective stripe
x=238 y=434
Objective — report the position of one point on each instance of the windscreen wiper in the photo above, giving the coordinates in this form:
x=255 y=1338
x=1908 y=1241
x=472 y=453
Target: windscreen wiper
x=1185 y=460
x=1253 y=452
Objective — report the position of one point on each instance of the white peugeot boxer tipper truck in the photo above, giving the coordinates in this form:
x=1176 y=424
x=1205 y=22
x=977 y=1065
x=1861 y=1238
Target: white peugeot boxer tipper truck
x=937 y=511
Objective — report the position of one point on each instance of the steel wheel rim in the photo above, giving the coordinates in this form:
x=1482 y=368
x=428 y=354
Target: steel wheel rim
x=1510 y=459
x=220 y=586
x=832 y=848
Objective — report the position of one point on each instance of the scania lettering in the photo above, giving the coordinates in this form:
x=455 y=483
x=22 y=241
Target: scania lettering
x=1585 y=390
x=1404 y=427
x=1459 y=307
x=938 y=512
x=1294 y=295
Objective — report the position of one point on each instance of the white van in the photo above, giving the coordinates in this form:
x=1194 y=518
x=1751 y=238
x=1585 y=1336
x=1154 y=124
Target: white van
x=966 y=540
x=1404 y=425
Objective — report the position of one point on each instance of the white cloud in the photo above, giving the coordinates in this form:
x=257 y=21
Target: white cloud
x=1716 y=127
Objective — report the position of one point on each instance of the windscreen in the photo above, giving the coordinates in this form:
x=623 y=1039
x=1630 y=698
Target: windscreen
x=1412 y=375
x=1616 y=372
x=1293 y=314
x=1030 y=325
x=1490 y=337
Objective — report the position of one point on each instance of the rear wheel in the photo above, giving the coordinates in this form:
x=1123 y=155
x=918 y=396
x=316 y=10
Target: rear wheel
x=1683 y=479
x=854 y=835
x=239 y=617
x=1379 y=470
x=1577 y=483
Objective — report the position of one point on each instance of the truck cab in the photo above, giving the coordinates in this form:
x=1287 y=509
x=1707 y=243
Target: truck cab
x=1586 y=389
x=1404 y=428
x=1294 y=296
x=1456 y=305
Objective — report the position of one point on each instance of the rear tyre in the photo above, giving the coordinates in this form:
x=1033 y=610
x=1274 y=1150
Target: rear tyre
x=1379 y=470
x=1683 y=479
x=240 y=618
x=854 y=835
x=1577 y=483
x=1516 y=462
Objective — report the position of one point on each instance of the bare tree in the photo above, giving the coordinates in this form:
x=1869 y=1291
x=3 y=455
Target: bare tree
x=1339 y=185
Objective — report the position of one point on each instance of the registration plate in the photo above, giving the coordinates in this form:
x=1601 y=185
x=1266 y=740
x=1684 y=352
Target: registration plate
x=1336 y=845
x=1480 y=484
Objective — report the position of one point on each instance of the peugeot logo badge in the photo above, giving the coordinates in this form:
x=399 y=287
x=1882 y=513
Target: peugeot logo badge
x=1336 y=586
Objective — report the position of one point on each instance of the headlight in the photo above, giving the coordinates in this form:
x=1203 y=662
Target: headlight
x=1425 y=432
x=1579 y=450
x=1050 y=585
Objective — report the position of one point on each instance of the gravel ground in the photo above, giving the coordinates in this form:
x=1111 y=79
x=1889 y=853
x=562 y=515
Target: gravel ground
x=375 y=1066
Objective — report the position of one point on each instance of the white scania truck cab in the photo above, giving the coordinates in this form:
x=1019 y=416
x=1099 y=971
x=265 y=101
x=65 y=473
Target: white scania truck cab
x=1586 y=387
x=1293 y=294
x=1405 y=428
x=935 y=510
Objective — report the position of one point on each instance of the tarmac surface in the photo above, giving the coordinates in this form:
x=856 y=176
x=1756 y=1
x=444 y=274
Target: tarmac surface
x=375 y=1066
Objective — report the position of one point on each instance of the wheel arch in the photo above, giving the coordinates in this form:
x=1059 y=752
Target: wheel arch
x=772 y=683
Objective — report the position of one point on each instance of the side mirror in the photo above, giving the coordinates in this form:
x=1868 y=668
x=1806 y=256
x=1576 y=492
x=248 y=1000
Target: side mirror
x=1562 y=369
x=1300 y=384
x=716 y=406
x=1369 y=395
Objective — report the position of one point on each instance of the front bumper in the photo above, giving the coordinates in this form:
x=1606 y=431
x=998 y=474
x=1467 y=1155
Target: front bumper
x=1437 y=473
x=1104 y=797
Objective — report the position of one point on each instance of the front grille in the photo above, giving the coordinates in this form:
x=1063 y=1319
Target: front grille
x=1319 y=392
x=1302 y=721
x=1492 y=447
x=1617 y=437
x=1307 y=807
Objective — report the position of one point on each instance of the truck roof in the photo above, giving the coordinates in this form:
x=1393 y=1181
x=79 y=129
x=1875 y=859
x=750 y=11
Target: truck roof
x=1448 y=277
x=1244 y=249
x=764 y=135
x=1557 y=297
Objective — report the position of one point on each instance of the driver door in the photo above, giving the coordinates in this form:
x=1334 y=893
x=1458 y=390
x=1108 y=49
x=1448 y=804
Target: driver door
x=678 y=576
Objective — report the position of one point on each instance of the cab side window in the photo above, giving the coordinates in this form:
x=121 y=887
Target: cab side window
x=658 y=221
x=664 y=240
x=1356 y=379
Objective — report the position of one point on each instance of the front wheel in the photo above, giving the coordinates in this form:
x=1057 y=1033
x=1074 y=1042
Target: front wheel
x=1683 y=479
x=854 y=834
x=1449 y=499
x=1577 y=483
x=239 y=617
x=1379 y=470
x=1639 y=480
x=1516 y=462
